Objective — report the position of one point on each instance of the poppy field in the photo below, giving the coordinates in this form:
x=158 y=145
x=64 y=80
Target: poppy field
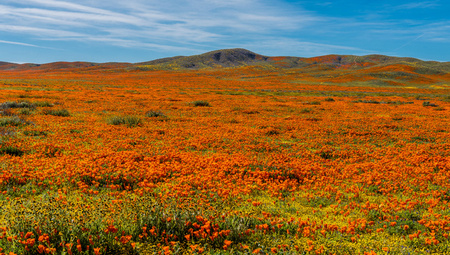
x=223 y=161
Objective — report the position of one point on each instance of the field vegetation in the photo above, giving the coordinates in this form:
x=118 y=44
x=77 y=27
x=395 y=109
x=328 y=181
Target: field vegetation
x=243 y=160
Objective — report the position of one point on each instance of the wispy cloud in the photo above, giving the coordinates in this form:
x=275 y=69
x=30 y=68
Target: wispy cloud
x=19 y=43
x=416 y=5
x=138 y=22
x=181 y=26
x=27 y=45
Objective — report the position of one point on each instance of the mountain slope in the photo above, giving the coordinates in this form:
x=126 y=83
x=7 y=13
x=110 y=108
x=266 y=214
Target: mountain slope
x=213 y=59
x=242 y=57
x=371 y=70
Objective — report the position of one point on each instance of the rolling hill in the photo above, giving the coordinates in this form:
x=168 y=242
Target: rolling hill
x=242 y=57
x=371 y=70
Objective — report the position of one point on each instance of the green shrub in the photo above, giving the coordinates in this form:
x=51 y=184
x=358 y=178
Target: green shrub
x=34 y=133
x=312 y=103
x=154 y=114
x=329 y=99
x=271 y=132
x=130 y=121
x=428 y=104
x=305 y=110
x=57 y=112
x=13 y=151
x=9 y=105
x=201 y=103
x=25 y=111
x=12 y=121
x=43 y=104
x=6 y=112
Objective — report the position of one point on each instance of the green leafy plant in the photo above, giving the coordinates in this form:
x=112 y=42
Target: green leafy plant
x=57 y=112
x=12 y=121
x=201 y=103
x=13 y=151
x=130 y=121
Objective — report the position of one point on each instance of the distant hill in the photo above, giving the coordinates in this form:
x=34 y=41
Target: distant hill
x=213 y=59
x=242 y=57
x=229 y=58
x=372 y=70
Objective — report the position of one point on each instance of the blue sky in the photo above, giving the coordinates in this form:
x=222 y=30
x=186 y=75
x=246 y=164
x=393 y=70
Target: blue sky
x=42 y=31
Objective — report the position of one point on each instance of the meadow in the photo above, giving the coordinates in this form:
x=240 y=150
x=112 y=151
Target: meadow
x=229 y=161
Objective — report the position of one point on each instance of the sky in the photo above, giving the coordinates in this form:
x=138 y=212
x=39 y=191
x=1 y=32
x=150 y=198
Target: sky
x=43 y=31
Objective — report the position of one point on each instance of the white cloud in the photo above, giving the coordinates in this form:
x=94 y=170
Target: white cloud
x=179 y=21
x=19 y=43
x=417 y=5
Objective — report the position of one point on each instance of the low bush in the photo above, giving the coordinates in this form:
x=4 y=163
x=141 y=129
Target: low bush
x=12 y=121
x=13 y=151
x=130 y=121
x=428 y=104
x=25 y=112
x=43 y=104
x=9 y=105
x=154 y=114
x=201 y=103
x=57 y=112
x=34 y=133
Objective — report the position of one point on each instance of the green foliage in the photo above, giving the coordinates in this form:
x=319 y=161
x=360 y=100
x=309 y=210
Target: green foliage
x=405 y=218
x=13 y=151
x=320 y=201
x=154 y=114
x=326 y=154
x=374 y=215
x=23 y=104
x=34 y=133
x=428 y=104
x=312 y=103
x=272 y=132
x=420 y=139
x=6 y=112
x=201 y=103
x=130 y=121
x=374 y=189
x=57 y=112
x=306 y=110
x=12 y=121
x=43 y=104
x=25 y=112
x=329 y=99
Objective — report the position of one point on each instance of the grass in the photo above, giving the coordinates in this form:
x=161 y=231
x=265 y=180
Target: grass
x=22 y=104
x=13 y=151
x=201 y=103
x=155 y=114
x=57 y=112
x=35 y=133
x=129 y=121
x=12 y=121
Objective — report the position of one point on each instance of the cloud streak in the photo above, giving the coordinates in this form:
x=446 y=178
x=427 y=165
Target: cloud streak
x=143 y=23
x=178 y=27
x=19 y=43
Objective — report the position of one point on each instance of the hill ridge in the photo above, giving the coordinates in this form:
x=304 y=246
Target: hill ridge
x=238 y=57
